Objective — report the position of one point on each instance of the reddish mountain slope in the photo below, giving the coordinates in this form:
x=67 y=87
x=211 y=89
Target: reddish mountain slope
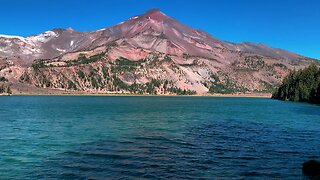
x=149 y=53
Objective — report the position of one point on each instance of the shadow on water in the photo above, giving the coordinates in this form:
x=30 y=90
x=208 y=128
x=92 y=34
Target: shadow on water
x=151 y=157
x=301 y=107
x=313 y=110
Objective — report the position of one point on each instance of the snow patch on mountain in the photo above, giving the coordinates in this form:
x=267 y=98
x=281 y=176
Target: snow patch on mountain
x=101 y=29
x=61 y=50
x=135 y=17
x=43 y=37
x=13 y=37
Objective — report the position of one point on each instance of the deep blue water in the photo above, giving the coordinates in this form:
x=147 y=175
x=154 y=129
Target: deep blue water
x=49 y=137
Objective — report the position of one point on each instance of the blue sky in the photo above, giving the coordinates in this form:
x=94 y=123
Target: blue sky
x=293 y=25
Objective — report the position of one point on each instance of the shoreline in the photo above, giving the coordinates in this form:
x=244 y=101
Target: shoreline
x=5 y=94
x=253 y=95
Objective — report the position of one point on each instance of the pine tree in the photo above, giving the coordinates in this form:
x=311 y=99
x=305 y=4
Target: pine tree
x=302 y=85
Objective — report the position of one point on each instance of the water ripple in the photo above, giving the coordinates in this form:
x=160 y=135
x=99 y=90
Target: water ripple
x=155 y=138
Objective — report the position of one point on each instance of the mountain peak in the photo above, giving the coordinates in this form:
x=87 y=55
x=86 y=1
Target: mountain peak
x=153 y=10
x=58 y=30
x=155 y=14
x=188 y=58
x=70 y=29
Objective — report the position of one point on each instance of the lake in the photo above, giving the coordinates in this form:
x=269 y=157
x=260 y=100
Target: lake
x=91 y=137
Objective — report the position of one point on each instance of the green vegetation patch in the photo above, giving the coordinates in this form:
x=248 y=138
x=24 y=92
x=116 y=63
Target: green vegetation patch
x=150 y=87
x=81 y=74
x=82 y=59
x=3 y=79
x=125 y=65
x=227 y=87
x=37 y=65
x=5 y=89
x=25 y=77
x=280 y=65
x=302 y=85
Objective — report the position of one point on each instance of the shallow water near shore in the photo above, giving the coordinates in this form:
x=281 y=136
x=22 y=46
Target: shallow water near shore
x=92 y=137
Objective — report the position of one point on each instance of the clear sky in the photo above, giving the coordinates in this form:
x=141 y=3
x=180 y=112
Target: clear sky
x=293 y=25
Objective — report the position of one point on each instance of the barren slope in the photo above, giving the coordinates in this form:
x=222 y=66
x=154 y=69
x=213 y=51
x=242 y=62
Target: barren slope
x=149 y=53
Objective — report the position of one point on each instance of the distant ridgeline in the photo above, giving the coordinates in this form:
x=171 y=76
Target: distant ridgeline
x=302 y=85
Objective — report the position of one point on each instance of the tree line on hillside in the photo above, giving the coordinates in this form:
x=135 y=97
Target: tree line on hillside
x=5 y=89
x=302 y=86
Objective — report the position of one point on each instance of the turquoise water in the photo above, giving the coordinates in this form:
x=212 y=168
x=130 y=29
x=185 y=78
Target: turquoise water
x=53 y=137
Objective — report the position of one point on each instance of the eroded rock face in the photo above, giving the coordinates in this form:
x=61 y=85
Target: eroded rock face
x=149 y=53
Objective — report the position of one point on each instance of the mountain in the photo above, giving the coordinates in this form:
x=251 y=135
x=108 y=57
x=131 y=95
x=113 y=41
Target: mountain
x=149 y=53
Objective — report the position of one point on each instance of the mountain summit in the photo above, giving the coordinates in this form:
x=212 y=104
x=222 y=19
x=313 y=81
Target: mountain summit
x=148 y=53
x=156 y=15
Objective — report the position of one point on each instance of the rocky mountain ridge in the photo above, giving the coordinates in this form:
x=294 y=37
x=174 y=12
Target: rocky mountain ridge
x=147 y=54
